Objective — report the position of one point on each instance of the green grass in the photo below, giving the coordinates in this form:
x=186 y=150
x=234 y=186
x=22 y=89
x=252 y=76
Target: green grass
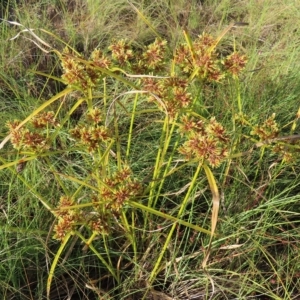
x=157 y=243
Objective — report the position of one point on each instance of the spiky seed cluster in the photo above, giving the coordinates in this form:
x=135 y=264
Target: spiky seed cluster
x=119 y=188
x=235 y=63
x=206 y=140
x=99 y=59
x=94 y=116
x=116 y=190
x=183 y=58
x=67 y=217
x=268 y=133
x=173 y=92
x=204 y=60
x=92 y=134
x=100 y=225
x=154 y=56
x=33 y=136
x=80 y=74
x=268 y=130
x=121 y=52
x=100 y=222
x=202 y=57
x=44 y=119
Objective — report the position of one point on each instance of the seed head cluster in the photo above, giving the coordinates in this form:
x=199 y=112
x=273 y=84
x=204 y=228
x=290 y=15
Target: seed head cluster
x=91 y=134
x=268 y=132
x=206 y=141
x=80 y=74
x=203 y=60
x=34 y=135
x=117 y=189
x=172 y=91
x=67 y=218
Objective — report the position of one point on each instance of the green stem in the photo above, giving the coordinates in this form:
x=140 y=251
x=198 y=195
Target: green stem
x=167 y=217
x=238 y=91
x=131 y=125
x=98 y=255
x=117 y=137
x=55 y=261
x=181 y=210
x=90 y=99
x=167 y=168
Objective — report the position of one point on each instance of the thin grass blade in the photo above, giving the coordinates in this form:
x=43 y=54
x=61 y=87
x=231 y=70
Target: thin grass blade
x=215 y=209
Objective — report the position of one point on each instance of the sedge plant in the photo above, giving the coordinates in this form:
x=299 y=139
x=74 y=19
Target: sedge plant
x=115 y=88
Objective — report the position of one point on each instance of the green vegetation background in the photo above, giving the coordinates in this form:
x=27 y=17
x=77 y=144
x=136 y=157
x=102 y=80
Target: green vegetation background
x=255 y=251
